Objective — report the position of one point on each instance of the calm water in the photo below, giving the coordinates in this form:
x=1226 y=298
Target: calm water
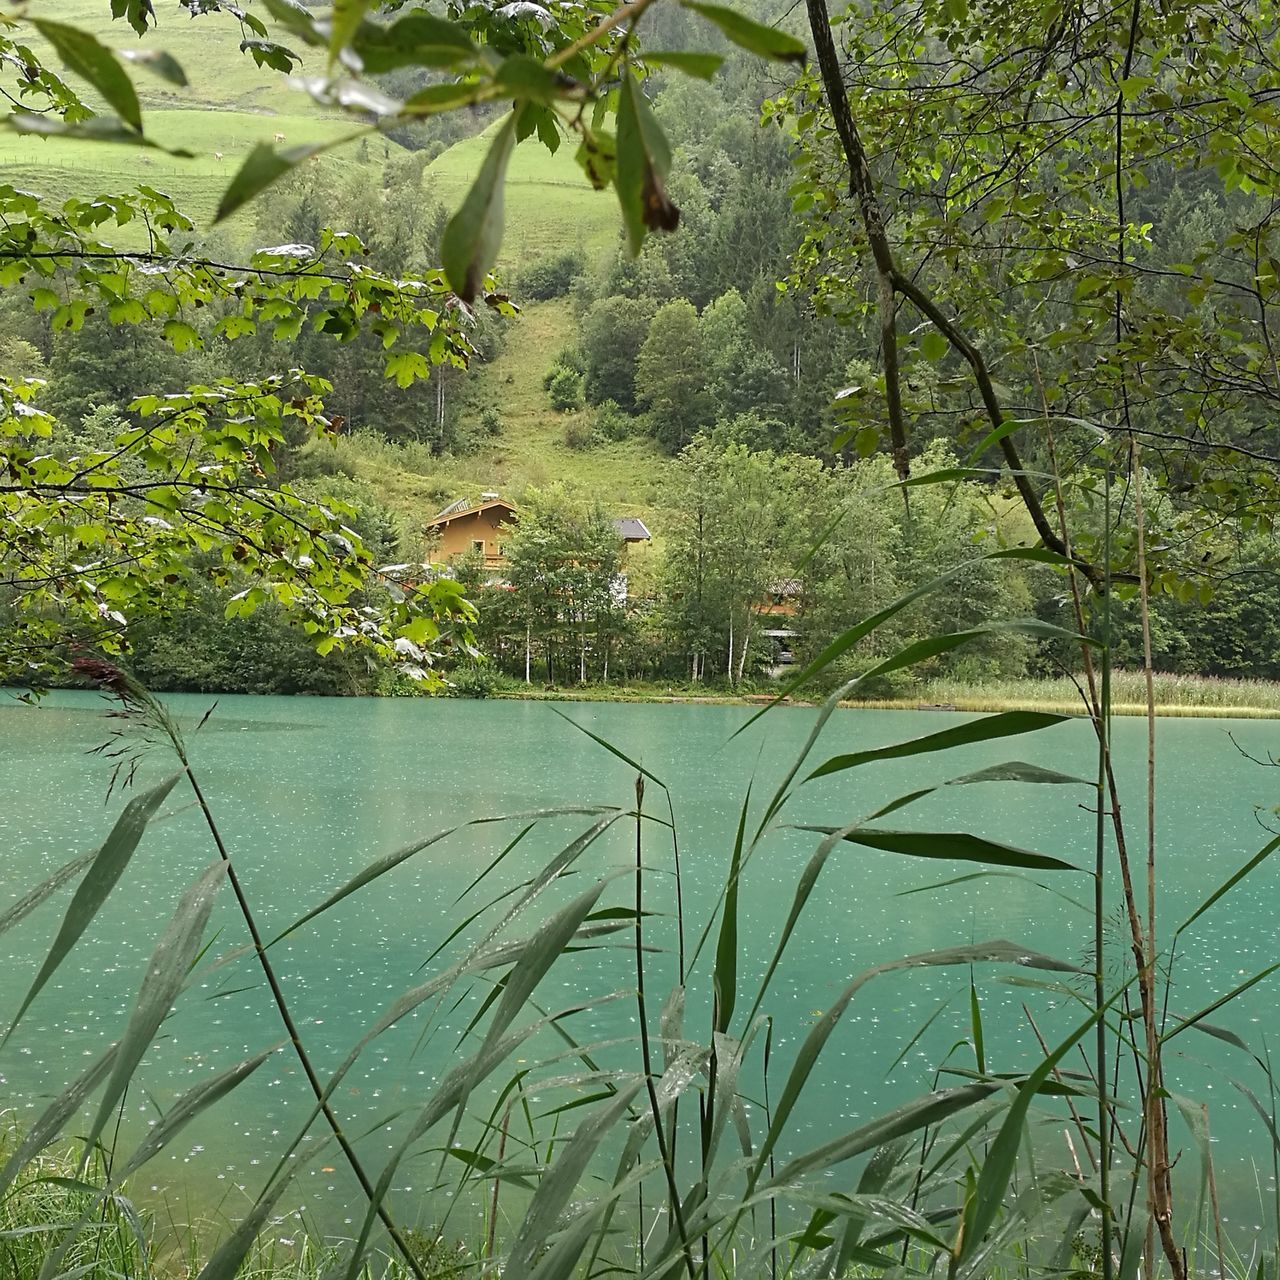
x=309 y=791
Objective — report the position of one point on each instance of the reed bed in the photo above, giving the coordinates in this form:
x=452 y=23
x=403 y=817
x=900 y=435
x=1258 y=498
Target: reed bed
x=1175 y=695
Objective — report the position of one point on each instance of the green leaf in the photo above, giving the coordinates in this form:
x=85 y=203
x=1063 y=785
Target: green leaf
x=843 y=643
x=343 y=23
x=524 y=77
x=189 y=1106
x=406 y=367
x=167 y=970
x=997 y=1167
x=473 y=235
x=181 y=335
x=959 y=846
x=108 y=866
x=291 y=14
x=262 y=166
x=84 y=54
x=702 y=65
x=644 y=159
x=933 y=345
x=866 y=440
x=65 y=1107
x=162 y=64
x=766 y=42
x=135 y=11
x=97 y=129
x=30 y=901
x=1004 y=725
x=1230 y=883
x=1019 y=771
x=419 y=39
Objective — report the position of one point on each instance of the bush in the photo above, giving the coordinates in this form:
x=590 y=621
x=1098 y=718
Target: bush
x=551 y=277
x=580 y=434
x=472 y=682
x=613 y=422
x=565 y=389
x=491 y=420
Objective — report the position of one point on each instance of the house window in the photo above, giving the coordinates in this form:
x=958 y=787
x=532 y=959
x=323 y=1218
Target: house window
x=478 y=545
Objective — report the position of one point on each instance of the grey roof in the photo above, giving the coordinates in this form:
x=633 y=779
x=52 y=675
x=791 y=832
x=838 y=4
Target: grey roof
x=631 y=529
x=454 y=508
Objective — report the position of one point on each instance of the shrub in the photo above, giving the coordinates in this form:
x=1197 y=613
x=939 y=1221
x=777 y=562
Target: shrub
x=551 y=277
x=613 y=422
x=491 y=420
x=565 y=389
x=472 y=681
x=580 y=434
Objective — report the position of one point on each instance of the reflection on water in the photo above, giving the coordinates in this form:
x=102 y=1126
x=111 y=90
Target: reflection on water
x=307 y=792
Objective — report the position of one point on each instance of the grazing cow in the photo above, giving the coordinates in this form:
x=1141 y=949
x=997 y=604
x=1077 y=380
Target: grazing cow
x=279 y=137
x=217 y=155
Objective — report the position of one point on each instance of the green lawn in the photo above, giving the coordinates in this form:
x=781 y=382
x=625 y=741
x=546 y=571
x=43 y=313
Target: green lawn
x=208 y=49
x=550 y=205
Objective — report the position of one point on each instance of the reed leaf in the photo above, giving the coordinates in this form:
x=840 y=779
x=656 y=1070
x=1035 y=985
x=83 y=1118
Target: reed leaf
x=30 y=901
x=105 y=870
x=167 y=970
x=958 y=846
x=191 y=1104
x=1219 y=1002
x=560 y=1181
x=843 y=643
x=998 y=1166
x=1230 y=883
x=57 y=1115
x=985 y=729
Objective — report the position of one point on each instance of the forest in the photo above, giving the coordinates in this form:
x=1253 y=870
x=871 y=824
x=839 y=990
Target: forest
x=935 y=341
x=712 y=341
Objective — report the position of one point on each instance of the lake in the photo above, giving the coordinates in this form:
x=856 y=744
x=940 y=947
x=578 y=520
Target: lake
x=307 y=792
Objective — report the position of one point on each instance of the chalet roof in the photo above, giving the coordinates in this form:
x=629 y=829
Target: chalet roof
x=631 y=529
x=465 y=507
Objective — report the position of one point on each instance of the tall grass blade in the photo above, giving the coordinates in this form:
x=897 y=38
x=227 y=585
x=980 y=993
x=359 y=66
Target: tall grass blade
x=1230 y=883
x=956 y=846
x=29 y=902
x=1219 y=1002
x=1005 y=724
x=923 y=1112
x=561 y=1180
x=1019 y=771
x=56 y=1116
x=189 y=1106
x=107 y=867
x=615 y=751
x=167 y=970
x=724 y=976
x=991 y=875
x=228 y=1258
x=843 y=643
x=388 y=862
x=998 y=1166
x=806 y=1058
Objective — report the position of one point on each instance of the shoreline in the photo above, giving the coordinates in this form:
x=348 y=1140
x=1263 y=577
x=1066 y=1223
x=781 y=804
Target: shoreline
x=974 y=704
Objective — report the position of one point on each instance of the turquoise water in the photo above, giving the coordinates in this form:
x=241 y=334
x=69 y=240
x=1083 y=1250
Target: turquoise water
x=307 y=792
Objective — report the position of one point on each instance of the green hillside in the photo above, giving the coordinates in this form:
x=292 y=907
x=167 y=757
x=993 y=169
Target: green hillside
x=550 y=206
x=230 y=106
x=627 y=477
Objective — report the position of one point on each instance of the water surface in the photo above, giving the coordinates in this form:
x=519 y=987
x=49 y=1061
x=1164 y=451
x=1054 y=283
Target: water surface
x=307 y=792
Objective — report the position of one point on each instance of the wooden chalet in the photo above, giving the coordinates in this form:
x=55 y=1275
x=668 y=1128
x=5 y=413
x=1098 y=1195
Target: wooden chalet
x=482 y=526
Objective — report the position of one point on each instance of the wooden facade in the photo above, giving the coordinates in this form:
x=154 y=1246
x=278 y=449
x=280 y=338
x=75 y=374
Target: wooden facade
x=482 y=526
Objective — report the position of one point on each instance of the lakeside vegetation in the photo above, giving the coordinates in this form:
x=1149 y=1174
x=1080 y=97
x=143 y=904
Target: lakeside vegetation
x=926 y=393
